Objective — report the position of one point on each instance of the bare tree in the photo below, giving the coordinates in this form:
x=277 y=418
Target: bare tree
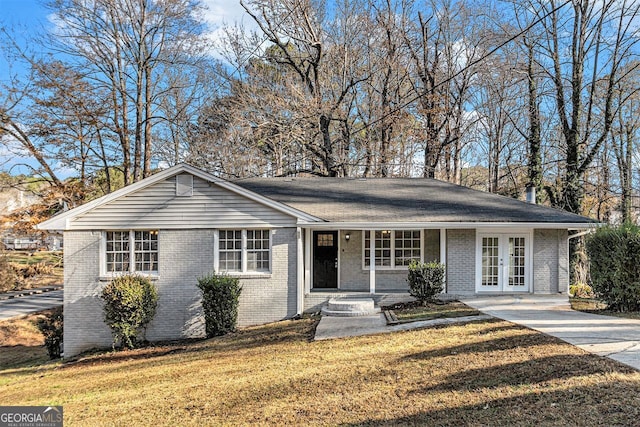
x=442 y=45
x=584 y=43
x=323 y=63
x=125 y=48
x=625 y=136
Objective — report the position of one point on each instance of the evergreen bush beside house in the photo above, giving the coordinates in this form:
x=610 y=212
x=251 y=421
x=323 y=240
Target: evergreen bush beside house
x=130 y=303
x=614 y=257
x=220 y=298
x=52 y=329
x=426 y=280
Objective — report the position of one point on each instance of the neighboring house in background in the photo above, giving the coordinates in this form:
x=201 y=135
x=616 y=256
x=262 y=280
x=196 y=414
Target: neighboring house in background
x=52 y=242
x=11 y=238
x=22 y=243
x=294 y=242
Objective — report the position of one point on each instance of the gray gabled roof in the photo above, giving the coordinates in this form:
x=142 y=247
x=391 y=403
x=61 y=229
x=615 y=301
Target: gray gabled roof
x=396 y=200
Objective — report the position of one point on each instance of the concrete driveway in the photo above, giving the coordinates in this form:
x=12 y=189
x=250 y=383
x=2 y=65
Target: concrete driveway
x=613 y=337
x=29 y=304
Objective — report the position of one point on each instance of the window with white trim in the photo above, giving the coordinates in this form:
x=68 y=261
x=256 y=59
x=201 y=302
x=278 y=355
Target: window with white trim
x=230 y=250
x=244 y=251
x=393 y=249
x=131 y=252
x=258 y=249
x=382 y=248
x=407 y=246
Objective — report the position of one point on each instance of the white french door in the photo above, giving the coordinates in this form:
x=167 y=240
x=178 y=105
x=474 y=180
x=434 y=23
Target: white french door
x=503 y=261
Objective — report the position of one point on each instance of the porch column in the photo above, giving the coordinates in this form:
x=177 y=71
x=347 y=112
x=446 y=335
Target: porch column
x=299 y=272
x=443 y=255
x=216 y=250
x=372 y=261
x=307 y=261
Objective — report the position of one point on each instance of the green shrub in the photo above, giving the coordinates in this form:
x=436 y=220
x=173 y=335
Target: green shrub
x=51 y=328
x=614 y=257
x=426 y=280
x=129 y=305
x=220 y=297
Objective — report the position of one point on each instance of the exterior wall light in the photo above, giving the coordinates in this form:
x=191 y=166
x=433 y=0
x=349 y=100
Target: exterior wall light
x=347 y=237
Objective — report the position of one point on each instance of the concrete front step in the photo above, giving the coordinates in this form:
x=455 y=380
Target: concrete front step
x=350 y=307
x=316 y=300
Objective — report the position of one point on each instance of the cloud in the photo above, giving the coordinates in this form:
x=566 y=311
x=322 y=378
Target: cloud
x=220 y=15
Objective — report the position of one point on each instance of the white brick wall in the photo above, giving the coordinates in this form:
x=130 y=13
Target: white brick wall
x=550 y=261
x=184 y=255
x=461 y=262
x=84 y=326
x=269 y=299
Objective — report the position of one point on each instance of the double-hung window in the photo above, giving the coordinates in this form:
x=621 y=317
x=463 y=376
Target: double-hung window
x=244 y=251
x=231 y=250
x=393 y=249
x=258 y=248
x=131 y=252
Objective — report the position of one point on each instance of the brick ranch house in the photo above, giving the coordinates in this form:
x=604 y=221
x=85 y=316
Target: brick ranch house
x=294 y=242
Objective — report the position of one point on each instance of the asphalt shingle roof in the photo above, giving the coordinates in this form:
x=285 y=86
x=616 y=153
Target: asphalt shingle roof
x=389 y=200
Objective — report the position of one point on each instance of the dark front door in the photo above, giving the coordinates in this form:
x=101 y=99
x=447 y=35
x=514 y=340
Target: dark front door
x=325 y=259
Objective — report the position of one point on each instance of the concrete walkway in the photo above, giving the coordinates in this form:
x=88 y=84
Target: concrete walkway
x=341 y=327
x=613 y=337
x=29 y=303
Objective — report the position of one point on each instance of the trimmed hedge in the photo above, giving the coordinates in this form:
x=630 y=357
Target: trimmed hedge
x=426 y=280
x=614 y=256
x=220 y=298
x=130 y=303
x=52 y=329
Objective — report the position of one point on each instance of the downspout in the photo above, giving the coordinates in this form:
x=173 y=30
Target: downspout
x=299 y=272
x=443 y=257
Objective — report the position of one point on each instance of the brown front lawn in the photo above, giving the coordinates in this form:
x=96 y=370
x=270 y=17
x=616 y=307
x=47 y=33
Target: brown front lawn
x=21 y=343
x=480 y=373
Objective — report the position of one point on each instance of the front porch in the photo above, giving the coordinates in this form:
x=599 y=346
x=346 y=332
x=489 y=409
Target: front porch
x=365 y=260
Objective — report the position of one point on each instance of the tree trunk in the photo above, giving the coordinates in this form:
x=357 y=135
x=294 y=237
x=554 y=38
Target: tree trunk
x=327 y=147
x=534 y=168
x=147 y=122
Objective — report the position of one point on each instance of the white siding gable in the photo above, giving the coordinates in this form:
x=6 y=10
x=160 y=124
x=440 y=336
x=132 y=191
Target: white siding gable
x=184 y=185
x=163 y=205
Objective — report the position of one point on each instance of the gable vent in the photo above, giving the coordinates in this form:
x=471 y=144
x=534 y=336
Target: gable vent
x=184 y=185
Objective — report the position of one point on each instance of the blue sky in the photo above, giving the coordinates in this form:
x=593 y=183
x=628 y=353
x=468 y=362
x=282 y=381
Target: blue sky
x=27 y=18
x=22 y=18
x=28 y=11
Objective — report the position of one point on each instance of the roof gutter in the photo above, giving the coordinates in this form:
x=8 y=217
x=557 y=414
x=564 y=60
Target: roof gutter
x=580 y=234
x=451 y=225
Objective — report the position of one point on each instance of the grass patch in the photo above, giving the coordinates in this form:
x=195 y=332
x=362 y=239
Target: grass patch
x=34 y=269
x=29 y=258
x=21 y=343
x=415 y=311
x=480 y=373
x=595 y=306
